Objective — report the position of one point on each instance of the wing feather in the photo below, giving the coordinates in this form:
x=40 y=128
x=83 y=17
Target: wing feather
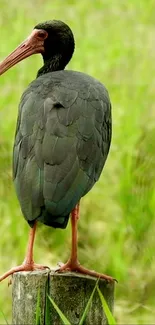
x=61 y=144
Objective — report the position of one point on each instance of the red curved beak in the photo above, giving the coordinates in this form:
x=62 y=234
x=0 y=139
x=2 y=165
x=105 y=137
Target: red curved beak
x=32 y=45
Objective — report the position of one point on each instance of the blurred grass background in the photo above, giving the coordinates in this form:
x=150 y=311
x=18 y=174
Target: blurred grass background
x=115 y=42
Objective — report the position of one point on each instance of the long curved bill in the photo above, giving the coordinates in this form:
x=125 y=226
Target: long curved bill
x=32 y=45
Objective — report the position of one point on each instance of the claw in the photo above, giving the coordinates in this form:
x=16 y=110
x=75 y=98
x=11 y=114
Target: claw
x=76 y=267
x=23 y=267
x=9 y=282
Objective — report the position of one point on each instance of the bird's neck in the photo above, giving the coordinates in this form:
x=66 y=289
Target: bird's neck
x=53 y=64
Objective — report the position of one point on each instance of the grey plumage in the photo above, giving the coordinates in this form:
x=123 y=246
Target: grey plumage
x=62 y=141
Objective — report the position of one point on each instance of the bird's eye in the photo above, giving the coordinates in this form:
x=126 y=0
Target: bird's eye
x=42 y=34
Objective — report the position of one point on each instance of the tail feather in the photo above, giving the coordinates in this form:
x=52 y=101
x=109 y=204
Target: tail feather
x=53 y=221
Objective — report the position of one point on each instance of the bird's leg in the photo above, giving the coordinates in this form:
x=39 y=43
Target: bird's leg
x=73 y=264
x=28 y=264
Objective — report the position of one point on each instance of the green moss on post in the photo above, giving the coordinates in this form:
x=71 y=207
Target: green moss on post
x=70 y=291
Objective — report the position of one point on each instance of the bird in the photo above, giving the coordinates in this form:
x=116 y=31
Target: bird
x=62 y=139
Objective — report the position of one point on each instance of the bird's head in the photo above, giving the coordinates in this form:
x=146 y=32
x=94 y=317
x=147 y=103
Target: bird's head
x=53 y=39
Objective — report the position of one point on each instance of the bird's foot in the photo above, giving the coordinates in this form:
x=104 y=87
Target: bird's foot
x=26 y=266
x=76 y=267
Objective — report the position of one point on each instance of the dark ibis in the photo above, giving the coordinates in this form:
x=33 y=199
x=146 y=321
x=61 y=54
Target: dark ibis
x=62 y=139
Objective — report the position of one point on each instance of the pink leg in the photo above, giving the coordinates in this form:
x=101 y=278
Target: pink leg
x=28 y=264
x=73 y=264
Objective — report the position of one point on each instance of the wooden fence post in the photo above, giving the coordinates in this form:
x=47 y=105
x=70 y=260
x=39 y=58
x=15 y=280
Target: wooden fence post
x=70 y=291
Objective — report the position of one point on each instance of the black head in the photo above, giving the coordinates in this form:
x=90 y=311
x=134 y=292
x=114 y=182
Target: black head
x=60 y=40
x=53 y=39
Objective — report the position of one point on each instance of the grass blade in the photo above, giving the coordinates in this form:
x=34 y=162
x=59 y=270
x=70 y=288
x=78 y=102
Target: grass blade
x=38 y=311
x=47 y=311
x=4 y=317
x=60 y=313
x=88 y=305
x=107 y=311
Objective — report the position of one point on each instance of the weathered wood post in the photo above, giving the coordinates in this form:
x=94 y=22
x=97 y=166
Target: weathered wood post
x=70 y=291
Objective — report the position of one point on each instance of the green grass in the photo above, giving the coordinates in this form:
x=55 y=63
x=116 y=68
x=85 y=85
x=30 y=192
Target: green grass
x=64 y=320
x=114 y=43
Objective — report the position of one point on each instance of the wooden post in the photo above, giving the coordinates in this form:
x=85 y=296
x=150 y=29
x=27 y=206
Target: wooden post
x=70 y=291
